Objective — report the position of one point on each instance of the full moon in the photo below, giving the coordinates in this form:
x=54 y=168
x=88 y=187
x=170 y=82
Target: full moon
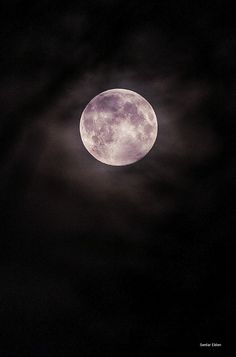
x=118 y=127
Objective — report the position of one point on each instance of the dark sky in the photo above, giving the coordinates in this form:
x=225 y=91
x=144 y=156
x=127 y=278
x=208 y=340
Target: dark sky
x=115 y=261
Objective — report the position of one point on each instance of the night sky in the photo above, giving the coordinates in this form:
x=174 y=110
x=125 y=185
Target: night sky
x=113 y=261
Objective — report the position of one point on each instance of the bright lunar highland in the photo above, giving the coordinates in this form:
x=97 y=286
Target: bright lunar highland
x=118 y=127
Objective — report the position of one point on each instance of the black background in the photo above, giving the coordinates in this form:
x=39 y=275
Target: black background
x=95 y=259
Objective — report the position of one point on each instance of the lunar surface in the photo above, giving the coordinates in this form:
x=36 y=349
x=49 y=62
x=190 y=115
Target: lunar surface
x=118 y=127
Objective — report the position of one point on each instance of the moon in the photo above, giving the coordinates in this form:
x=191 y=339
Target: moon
x=118 y=127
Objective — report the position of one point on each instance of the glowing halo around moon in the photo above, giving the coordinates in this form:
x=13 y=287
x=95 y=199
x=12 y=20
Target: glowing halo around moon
x=118 y=127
